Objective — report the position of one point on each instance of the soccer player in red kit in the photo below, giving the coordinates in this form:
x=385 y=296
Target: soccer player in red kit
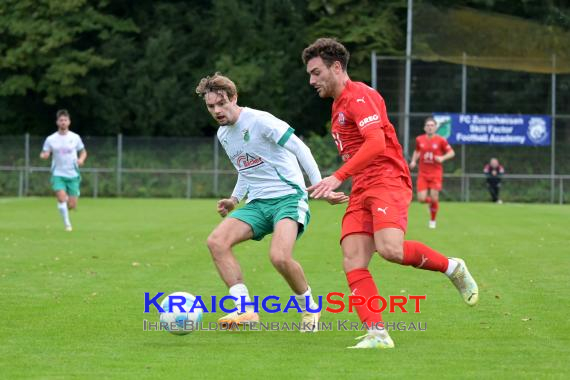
x=377 y=213
x=432 y=150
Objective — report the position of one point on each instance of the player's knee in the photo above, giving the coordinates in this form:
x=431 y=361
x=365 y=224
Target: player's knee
x=279 y=259
x=351 y=262
x=216 y=244
x=392 y=252
x=421 y=198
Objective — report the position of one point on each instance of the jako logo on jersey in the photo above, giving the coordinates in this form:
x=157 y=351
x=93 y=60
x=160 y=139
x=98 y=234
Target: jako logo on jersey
x=341 y=118
x=247 y=161
x=368 y=120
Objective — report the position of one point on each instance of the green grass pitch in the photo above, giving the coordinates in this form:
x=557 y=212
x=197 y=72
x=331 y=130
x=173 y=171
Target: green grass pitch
x=72 y=303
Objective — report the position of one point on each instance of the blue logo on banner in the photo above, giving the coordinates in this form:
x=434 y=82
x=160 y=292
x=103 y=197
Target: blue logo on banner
x=491 y=129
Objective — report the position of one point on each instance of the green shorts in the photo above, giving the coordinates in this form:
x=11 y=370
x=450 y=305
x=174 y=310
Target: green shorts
x=263 y=214
x=69 y=185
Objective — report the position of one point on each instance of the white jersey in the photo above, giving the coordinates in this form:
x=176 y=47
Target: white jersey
x=64 y=150
x=255 y=146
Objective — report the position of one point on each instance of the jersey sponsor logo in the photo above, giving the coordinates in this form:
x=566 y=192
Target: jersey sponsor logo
x=341 y=119
x=65 y=150
x=248 y=161
x=360 y=100
x=368 y=120
x=383 y=210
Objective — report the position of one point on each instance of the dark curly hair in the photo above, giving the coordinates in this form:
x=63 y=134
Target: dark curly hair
x=329 y=49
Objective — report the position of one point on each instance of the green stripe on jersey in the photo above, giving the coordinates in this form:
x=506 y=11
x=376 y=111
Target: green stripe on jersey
x=283 y=140
x=300 y=192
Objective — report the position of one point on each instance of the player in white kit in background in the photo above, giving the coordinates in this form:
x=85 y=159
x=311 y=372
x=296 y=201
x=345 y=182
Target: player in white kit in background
x=63 y=146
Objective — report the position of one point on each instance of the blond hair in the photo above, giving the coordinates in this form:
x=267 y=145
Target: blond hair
x=217 y=83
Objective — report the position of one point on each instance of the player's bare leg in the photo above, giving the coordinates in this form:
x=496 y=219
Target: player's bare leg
x=357 y=250
x=281 y=256
x=61 y=196
x=72 y=203
x=427 y=196
x=220 y=242
x=422 y=196
x=391 y=246
x=433 y=206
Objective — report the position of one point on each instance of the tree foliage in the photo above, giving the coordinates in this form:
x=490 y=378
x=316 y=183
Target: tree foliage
x=131 y=67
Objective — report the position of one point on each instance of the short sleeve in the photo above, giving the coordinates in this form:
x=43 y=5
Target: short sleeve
x=274 y=129
x=445 y=145
x=418 y=144
x=47 y=146
x=79 y=146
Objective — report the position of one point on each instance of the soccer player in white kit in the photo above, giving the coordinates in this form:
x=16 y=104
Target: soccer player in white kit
x=63 y=146
x=266 y=153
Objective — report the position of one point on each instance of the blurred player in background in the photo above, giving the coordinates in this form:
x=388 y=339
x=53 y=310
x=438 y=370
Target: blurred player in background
x=431 y=150
x=494 y=172
x=63 y=146
x=266 y=154
x=377 y=213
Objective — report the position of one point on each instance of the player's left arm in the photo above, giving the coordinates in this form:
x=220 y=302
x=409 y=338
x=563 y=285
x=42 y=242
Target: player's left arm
x=305 y=158
x=449 y=152
x=82 y=152
x=369 y=117
x=82 y=157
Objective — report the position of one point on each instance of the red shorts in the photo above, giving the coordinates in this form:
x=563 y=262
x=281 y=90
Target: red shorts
x=374 y=209
x=424 y=183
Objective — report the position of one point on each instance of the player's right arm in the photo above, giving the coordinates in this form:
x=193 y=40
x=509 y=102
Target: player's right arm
x=225 y=206
x=416 y=155
x=46 y=150
x=414 y=159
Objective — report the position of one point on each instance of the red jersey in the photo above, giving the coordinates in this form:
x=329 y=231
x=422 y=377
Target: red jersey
x=360 y=112
x=428 y=148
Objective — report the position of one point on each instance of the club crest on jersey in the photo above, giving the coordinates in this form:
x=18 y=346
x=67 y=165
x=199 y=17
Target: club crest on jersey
x=341 y=119
x=434 y=146
x=245 y=135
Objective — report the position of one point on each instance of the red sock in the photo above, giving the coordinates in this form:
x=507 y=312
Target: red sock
x=421 y=256
x=433 y=208
x=361 y=283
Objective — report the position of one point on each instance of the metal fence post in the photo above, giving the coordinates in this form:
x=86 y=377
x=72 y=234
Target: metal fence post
x=188 y=185
x=216 y=159
x=119 y=163
x=561 y=190
x=95 y=183
x=408 y=80
x=463 y=110
x=21 y=184
x=374 y=77
x=27 y=164
x=553 y=137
